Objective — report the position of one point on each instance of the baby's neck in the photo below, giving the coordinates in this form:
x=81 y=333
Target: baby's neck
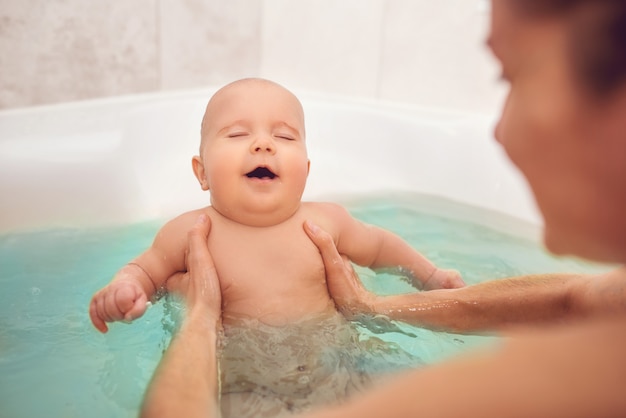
x=255 y=218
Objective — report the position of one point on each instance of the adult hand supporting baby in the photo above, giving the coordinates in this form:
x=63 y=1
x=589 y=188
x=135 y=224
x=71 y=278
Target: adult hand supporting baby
x=492 y=305
x=185 y=383
x=199 y=285
x=344 y=285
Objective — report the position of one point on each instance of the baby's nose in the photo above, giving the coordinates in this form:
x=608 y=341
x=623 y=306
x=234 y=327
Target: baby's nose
x=263 y=144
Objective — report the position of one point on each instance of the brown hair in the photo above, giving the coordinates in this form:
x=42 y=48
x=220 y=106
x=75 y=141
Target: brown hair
x=597 y=37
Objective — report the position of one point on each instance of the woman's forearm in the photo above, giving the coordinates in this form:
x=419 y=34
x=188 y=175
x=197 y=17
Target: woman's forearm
x=185 y=383
x=488 y=306
x=530 y=375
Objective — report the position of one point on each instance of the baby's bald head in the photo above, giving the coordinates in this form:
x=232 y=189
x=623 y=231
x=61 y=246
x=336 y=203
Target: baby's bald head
x=248 y=90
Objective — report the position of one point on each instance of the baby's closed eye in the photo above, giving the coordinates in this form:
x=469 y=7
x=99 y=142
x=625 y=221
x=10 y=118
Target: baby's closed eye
x=288 y=137
x=237 y=134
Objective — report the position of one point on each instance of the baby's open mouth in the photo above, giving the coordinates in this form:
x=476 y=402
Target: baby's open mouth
x=261 y=173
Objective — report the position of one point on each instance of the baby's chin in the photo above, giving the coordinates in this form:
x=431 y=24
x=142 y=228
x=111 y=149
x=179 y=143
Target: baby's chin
x=259 y=214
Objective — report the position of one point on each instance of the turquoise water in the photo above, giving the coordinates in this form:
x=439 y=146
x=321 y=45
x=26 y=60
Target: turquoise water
x=53 y=363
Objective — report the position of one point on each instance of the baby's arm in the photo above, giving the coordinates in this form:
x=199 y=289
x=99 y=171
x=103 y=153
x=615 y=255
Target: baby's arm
x=125 y=297
x=377 y=248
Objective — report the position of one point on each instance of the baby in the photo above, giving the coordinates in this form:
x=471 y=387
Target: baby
x=253 y=160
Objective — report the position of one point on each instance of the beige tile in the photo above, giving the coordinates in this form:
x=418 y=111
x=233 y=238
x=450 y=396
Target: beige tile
x=416 y=51
x=209 y=42
x=54 y=51
x=433 y=54
x=327 y=45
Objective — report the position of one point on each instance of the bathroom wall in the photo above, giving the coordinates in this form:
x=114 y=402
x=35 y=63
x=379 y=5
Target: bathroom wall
x=421 y=52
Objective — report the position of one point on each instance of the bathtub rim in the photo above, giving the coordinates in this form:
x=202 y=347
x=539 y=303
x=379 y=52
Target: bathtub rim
x=125 y=103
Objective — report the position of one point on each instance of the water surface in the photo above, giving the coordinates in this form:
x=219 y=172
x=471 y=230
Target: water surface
x=53 y=363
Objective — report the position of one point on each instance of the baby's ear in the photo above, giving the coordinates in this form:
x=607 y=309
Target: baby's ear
x=198 y=170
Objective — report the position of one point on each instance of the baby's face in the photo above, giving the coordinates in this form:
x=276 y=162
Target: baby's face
x=254 y=154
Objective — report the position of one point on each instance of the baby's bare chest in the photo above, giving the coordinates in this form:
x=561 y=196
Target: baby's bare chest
x=274 y=259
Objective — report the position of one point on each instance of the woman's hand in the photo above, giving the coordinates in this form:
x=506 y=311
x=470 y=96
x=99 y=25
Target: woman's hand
x=344 y=285
x=185 y=384
x=200 y=285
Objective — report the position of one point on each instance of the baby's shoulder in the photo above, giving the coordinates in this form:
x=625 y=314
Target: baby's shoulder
x=324 y=207
x=172 y=237
x=183 y=222
x=325 y=211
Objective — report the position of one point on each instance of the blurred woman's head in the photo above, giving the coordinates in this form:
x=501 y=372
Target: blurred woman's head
x=596 y=37
x=564 y=121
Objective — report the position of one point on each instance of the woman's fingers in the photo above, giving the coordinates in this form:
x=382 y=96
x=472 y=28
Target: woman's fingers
x=203 y=286
x=333 y=262
x=343 y=283
x=199 y=257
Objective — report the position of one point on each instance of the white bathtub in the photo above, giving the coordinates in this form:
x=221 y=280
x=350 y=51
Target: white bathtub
x=128 y=159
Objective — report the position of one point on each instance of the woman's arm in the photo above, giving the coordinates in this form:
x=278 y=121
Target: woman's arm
x=489 y=306
x=576 y=370
x=185 y=383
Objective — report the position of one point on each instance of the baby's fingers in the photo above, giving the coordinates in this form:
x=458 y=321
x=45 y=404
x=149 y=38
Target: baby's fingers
x=138 y=308
x=126 y=304
x=114 y=303
x=444 y=279
x=96 y=320
x=123 y=301
x=455 y=280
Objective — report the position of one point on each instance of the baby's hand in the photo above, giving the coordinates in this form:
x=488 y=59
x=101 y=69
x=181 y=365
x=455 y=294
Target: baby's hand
x=120 y=300
x=444 y=279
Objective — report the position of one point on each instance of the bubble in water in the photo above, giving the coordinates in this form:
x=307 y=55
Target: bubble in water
x=35 y=291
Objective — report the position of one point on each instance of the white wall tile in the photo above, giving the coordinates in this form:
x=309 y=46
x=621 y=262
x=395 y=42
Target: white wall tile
x=323 y=45
x=60 y=50
x=209 y=41
x=426 y=52
x=434 y=54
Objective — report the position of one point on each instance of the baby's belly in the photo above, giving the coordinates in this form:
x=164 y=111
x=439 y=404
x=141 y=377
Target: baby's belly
x=276 y=310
